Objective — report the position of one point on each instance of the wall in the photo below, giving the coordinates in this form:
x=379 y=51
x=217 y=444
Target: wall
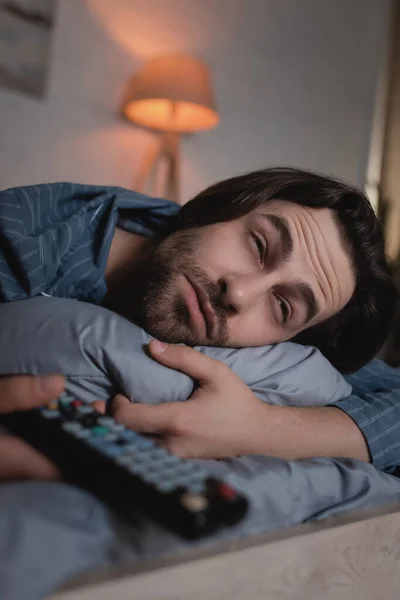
x=295 y=83
x=390 y=179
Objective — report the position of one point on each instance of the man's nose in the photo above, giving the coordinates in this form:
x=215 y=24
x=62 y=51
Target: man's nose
x=240 y=292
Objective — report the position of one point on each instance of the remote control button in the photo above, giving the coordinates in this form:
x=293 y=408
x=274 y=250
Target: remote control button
x=165 y=487
x=125 y=460
x=157 y=455
x=158 y=480
x=226 y=491
x=50 y=414
x=171 y=461
x=142 y=457
x=65 y=403
x=194 y=502
x=187 y=468
x=99 y=431
x=168 y=472
x=105 y=421
x=197 y=476
x=131 y=449
x=143 y=442
x=53 y=405
x=65 y=397
x=197 y=488
x=137 y=468
x=76 y=403
x=157 y=464
x=83 y=434
x=116 y=427
x=85 y=410
x=72 y=426
x=98 y=443
x=111 y=437
x=113 y=451
x=129 y=436
x=184 y=481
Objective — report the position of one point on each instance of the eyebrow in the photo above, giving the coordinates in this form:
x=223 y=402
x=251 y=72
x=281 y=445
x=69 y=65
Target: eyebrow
x=310 y=300
x=280 y=224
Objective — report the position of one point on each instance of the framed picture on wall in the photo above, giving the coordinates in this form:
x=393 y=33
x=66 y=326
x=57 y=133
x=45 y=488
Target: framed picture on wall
x=26 y=28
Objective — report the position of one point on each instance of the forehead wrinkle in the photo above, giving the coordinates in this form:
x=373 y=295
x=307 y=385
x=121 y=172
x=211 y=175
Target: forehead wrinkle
x=335 y=289
x=308 y=234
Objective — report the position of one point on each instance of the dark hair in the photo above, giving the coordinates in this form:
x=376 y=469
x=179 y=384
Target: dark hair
x=355 y=335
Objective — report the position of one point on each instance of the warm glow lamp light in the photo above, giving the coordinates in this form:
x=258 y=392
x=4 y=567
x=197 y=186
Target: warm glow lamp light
x=171 y=94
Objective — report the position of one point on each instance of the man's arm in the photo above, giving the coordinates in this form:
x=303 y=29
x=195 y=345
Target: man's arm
x=47 y=236
x=295 y=433
x=224 y=418
x=374 y=407
x=34 y=237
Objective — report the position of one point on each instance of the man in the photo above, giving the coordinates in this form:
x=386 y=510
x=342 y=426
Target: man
x=273 y=255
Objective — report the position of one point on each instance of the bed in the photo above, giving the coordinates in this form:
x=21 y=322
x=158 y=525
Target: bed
x=356 y=555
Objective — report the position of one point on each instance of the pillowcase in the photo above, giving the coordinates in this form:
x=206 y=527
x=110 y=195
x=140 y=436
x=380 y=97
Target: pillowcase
x=102 y=354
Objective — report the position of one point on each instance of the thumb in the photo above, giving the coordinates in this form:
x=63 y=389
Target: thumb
x=100 y=406
x=187 y=360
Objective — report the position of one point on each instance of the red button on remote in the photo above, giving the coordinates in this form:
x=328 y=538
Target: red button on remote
x=227 y=492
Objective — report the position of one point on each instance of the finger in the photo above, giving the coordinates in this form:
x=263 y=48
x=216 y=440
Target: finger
x=100 y=406
x=156 y=420
x=18 y=460
x=183 y=358
x=175 y=446
x=119 y=405
x=22 y=392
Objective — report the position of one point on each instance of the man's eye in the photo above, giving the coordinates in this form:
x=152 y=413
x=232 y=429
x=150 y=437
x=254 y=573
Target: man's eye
x=260 y=244
x=284 y=307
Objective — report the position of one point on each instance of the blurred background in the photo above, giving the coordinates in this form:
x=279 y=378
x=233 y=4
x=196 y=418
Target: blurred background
x=306 y=83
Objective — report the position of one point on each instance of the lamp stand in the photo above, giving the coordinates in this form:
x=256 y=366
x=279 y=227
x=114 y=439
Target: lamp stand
x=159 y=173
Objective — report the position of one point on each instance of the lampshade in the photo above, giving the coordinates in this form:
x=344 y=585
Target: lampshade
x=172 y=93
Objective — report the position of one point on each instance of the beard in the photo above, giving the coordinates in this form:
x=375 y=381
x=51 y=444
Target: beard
x=162 y=312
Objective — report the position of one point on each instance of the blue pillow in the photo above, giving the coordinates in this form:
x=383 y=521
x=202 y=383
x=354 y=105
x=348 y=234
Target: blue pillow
x=102 y=354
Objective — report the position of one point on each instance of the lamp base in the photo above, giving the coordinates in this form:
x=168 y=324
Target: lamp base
x=159 y=172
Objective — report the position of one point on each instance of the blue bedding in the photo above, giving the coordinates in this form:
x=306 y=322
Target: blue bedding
x=50 y=532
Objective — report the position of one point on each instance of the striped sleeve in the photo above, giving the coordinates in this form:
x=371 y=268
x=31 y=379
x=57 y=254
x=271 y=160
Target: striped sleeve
x=46 y=235
x=375 y=408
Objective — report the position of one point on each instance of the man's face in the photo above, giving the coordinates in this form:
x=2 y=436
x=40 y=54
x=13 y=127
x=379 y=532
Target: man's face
x=260 y=279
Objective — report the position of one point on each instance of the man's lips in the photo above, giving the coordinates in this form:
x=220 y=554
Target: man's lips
x=201 y=311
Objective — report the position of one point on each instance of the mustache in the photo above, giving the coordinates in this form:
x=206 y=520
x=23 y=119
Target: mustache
x=215 y=298
x=160 y=274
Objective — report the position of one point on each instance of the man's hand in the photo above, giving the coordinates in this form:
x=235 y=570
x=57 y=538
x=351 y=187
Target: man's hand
x=18 y=460
x=223 y=418
x=220 y=419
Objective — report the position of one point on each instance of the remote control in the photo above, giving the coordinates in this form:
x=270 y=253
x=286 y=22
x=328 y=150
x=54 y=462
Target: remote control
x=126 y=470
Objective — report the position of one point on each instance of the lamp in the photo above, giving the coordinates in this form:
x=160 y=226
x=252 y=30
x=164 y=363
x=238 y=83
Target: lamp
x=171 y=94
